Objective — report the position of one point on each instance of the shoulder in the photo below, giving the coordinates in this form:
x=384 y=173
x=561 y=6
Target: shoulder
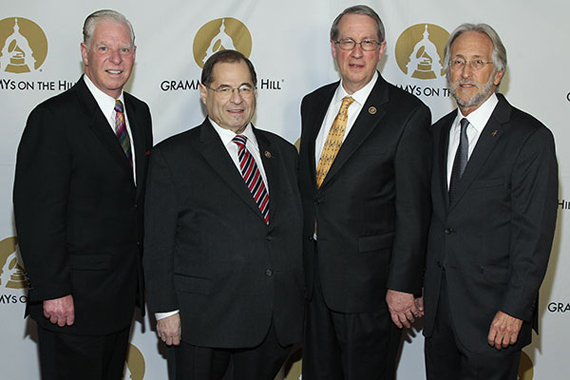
x=320 y=92
x=277 y=141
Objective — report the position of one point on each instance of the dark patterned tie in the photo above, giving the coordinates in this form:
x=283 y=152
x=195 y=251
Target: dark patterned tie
x=252 y=176
x=121 y=130
x=460 y=161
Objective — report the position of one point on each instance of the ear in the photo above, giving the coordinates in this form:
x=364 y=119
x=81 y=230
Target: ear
x=203 y=93
x=84 y=54
x=333 y=48
x=498 y=77
x=381 y=50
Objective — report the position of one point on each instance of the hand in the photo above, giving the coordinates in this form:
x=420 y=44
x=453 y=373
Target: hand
x=60 y=311
x=420 y=305
x=402 y=308
x=168 y=329
x=504 y=330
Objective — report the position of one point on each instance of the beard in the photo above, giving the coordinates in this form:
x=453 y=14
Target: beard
x=476 y=99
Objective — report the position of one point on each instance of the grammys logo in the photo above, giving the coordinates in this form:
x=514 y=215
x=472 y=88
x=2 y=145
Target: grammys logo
x=419 y=55
x=221 y=34
x=11 y=269
x=135 y=365
x=23 y=45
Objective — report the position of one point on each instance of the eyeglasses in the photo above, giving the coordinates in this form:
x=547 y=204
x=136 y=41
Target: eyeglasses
x=365 y=44
x=226 y=92
x=475 y=64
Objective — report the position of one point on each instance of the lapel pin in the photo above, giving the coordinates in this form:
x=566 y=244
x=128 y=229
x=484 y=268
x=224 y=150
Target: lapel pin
x=267 y=154
x=372 y=110
x=494 y=133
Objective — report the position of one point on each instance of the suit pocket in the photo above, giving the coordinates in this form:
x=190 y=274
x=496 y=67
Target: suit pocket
x=98 y=261
x=482 y=184
x=376 y=242
x=191 y=284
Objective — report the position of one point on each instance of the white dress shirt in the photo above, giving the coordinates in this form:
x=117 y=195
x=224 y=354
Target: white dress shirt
x=107 y=106
x=477 y=121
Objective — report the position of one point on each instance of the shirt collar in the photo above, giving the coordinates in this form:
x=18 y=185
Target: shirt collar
x=226 y=135
x=106 y=103
x=359 y=96
x=479 y=118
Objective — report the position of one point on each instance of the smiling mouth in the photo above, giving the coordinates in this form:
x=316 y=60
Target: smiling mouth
x=236 y=111
x=355 y=66
x=115 y=72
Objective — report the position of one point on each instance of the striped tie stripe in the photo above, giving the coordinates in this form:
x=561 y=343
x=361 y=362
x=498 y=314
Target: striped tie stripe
x=252 y=176
x=121 y=130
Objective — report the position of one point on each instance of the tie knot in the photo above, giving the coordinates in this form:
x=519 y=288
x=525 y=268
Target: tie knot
x=240 y=140
x=118 y=106
x=464 y=123
x=346 y=102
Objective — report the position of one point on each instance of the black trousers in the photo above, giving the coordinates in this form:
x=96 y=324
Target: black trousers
x=262 y=362
x=448 y=359
x=71 y=357
x=351 y=346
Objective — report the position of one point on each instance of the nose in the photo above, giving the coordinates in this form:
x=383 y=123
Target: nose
x=357 y=51
x=116 y=57
x=236 y=97
x=466 y=70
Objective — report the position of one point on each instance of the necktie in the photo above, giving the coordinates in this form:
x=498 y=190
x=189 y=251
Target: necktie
x=121 y=130
x=252 y=176
x=334 y=141
x=460 y=161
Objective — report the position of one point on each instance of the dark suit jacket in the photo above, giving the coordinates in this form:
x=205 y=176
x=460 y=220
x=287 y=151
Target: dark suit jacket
x=373 y=208
x=494 y=240
x=209 y=252
x=78 y=212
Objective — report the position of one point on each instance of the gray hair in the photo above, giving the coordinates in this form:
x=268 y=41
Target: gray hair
x=104 y=14
x=360 y=10
x=499 y=54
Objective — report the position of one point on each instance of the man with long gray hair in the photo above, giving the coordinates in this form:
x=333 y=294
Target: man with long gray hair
x=78 y=198
x=494 y=196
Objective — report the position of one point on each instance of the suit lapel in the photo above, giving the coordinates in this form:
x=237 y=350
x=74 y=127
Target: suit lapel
x=491 y=133
x=366 y=122
x=137 y=125
x=216 y=154
x=100 y=126
x=440 y=174
x=314 y=123
x=270 y=159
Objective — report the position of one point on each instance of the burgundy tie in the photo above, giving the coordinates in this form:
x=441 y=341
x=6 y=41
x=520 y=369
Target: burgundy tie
x=252 y=176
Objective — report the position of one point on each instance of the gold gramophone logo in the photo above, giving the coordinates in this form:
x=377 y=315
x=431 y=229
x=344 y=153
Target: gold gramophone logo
x=221 y=34
x=135 y=368
x=23 y=45
x=419 y=51
x=526 y=368
x=11 y=268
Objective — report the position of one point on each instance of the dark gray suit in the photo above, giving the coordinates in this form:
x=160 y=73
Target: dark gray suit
x=492 y=243
x=208 y=250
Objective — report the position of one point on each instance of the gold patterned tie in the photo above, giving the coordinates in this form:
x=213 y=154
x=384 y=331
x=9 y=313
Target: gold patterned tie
x=334 y=140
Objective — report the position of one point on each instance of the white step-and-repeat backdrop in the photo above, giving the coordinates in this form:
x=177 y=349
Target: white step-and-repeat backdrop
x=289 y=45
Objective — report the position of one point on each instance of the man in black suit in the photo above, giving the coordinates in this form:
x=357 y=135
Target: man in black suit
x=223 y=261
x=366 y=208
x=78 y=196
x=494 y=190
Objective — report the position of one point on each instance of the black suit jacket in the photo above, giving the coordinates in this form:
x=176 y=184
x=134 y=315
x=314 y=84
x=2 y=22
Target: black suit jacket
x=373 y=208
x=78 y=212
x=209 y=252
x=493 y=242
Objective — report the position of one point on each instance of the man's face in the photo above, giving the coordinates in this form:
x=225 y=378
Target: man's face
x=471 y=87
x=357 y=66
x=232 y=110
x=110 y=57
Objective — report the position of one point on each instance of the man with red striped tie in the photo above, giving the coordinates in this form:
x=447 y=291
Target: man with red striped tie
x=223 y=256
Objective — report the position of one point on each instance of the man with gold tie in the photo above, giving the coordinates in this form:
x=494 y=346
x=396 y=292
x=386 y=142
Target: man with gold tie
x=364 y=172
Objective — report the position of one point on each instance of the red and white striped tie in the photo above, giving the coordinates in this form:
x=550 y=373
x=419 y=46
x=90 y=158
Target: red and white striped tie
x=252 y=176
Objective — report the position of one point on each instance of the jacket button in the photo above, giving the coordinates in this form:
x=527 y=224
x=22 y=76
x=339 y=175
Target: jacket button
x=268 y=238
x=269 y=272
x=449 y=231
